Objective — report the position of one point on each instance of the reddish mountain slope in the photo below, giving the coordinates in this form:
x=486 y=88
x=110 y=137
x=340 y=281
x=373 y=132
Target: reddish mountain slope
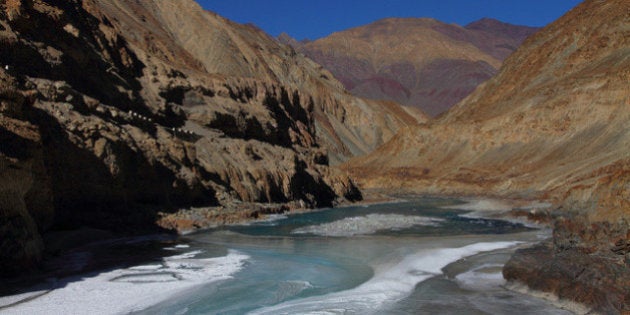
x=418 y=62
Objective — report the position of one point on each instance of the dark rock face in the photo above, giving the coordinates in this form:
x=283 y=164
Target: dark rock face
x=84 y=151
x=587 y=263
x=24 y=183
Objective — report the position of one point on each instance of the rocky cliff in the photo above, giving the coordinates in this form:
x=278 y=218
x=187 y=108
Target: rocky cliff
x=553 y=124
x=115 y=114
x=417 y=62
x=345 y=126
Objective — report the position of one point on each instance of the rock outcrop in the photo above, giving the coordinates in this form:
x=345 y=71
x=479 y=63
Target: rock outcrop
x=115 y=114
x=417 y=62
x=588 y=258
x=24 y=182
x=553 y=124
x=345 y=126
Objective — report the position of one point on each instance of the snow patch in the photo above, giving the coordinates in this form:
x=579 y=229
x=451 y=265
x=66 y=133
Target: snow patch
x=368 y=224
x=390 y=283
x=130 y=289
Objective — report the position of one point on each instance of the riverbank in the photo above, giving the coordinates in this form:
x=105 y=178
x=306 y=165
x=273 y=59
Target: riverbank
x=584 y=267
x=583 y=261
x=186 y=221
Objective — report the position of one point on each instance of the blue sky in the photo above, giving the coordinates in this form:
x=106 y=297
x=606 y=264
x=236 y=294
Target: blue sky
x=318 y=18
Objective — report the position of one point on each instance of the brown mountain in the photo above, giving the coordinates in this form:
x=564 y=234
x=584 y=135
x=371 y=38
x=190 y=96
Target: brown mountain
x=418 y=62
x=553 y=124
x=114 y=114
x=346 y=126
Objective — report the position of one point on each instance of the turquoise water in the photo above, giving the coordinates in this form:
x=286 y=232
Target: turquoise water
x=401 y=258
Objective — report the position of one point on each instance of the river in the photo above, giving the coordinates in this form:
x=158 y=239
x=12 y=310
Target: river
x=411 y=257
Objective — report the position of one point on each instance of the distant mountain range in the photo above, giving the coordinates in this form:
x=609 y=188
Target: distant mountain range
x=418 y=62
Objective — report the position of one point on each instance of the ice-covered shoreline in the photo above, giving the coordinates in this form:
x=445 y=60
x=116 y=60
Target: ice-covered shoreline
x=368 y=224
x=126 y=290
x=390 y=283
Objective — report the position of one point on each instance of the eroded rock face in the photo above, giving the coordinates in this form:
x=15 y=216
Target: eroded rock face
x=192 y=40
x=553 y=124
x=398 y=59
x=584 y=262
x=116 y=114
x=24 y=183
